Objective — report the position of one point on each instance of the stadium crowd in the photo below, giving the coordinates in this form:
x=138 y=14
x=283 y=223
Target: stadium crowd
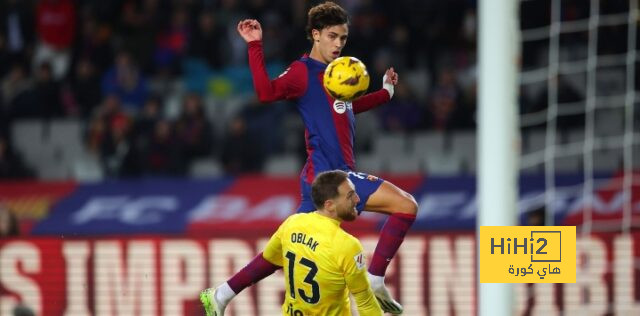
x=148 y=78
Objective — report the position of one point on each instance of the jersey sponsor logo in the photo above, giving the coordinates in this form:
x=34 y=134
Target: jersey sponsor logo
x=340 y=106
x=359 y=258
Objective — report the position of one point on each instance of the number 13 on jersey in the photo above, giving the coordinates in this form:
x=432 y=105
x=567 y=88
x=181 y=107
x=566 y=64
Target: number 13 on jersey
x=312 y=268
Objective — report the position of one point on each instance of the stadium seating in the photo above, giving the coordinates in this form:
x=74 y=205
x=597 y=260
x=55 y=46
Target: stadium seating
x=55 y=150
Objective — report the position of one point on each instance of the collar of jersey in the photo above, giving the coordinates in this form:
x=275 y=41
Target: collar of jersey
x=315 y=62
x=322 y=217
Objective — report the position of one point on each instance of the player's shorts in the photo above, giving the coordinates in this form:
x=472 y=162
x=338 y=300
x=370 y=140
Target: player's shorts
x=365 y=186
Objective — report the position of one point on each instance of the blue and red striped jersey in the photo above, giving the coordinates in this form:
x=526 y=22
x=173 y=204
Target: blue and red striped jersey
x=329 y=123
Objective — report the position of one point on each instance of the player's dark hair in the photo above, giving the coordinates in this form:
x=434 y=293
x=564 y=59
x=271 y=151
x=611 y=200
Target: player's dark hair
x=325 y=186
x=325 y=15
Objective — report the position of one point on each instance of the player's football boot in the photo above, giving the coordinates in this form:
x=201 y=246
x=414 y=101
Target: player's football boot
x=211 y=306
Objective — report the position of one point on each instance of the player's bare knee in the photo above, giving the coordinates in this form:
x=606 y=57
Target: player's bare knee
x=409 y=205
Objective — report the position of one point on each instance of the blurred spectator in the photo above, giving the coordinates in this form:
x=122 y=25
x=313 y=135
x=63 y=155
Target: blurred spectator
x=151 y=113
x=445 y=114
x=275 y=36
x=17 y=32
x=8 y=222
x=16 y=86
x=241 y=153
x=263 y=124
x=109 y=137
x=446 y=109
x=4 y=56
x=93 y=45
x=11 y=165
x=209 y=41
x=140 y=23
x=228 y=14
x=401 y=44
x=4 y=118
x=382 y=60
x=257 y=8
x=403 y=113
x=85 y=88
x=172 y=43
x=116 y=147
x=47 y=93
x=126 y=81
x=108 y=111
x=369 y=26
x=164 y=155
x=55 y=24
x=193 y=131
x=105 y=11
x=142 y=135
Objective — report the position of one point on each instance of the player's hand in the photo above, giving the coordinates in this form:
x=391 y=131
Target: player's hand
x=391 y=76
x=250 y=30
x=389 y=80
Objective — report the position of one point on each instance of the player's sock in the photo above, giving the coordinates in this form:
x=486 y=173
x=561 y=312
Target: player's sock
x=375 y=280
x=258 y=269
x=224 y=293
x=391 y=237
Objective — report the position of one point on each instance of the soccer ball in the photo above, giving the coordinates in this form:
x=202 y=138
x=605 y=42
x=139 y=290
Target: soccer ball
x=346 y=78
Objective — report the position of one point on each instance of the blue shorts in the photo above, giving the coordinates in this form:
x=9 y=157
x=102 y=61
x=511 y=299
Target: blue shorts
x=365 y=186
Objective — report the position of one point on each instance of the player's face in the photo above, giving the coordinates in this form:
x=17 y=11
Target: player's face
x=346 y=201
x=330 y=41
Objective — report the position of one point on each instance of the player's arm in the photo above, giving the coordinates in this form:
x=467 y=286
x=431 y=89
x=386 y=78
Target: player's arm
x=289 y=85
x=355 y=275
x=372 y=100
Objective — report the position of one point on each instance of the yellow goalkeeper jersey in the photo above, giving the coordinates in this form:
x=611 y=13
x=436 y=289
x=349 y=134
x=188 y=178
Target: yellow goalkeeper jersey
x=322 y=264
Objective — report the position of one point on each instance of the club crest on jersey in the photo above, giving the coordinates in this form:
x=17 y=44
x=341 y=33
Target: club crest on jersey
x=359 y=258
x=340 y=106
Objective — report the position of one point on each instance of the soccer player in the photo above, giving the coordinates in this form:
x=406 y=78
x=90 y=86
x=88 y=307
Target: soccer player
x=329 y=133
x=322 y=263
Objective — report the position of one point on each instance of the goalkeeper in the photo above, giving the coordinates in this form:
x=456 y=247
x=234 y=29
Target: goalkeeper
x=322 y=263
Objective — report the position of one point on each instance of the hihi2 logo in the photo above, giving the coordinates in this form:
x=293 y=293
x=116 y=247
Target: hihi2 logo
x=527 y=254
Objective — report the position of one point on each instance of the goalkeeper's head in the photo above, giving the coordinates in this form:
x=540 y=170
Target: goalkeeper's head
x=334 y=195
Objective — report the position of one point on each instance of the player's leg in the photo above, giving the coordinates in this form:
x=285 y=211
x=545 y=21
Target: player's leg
x=377 y=195
x=381 y=196
x=401 y=208
x=215 y=301
x=258 y=269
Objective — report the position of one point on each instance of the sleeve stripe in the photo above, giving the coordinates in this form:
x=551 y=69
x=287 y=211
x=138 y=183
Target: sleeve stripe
x=387 y=307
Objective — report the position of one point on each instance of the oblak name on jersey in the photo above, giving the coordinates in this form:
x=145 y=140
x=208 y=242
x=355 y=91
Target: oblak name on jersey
x=300 y=238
